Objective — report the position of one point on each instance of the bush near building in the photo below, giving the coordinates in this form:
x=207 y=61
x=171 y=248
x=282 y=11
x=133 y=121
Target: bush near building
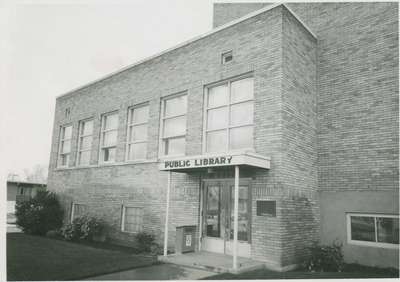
x=326 y=258
x=83 y=228
x=39 y=214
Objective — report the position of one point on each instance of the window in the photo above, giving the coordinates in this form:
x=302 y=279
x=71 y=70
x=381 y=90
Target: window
x=78 y=210
x=229 y=116
x=373 y=230
x=266 y=208
x=173 y=127
x=85 y=142
x=226 y=57
x=132 y=219
x=137 y=133
x=108 y=137
x=65 y=146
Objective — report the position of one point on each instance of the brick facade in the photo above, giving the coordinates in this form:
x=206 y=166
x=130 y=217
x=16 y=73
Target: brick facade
x=325 y=112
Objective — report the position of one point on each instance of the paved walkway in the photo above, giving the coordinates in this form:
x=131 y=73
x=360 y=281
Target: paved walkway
x=212 y=262
x=157 y=272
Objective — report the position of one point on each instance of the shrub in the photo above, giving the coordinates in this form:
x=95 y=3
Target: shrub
x=145 y=242
x=53 y=234
x=39 y=214
x=326 y=258
x=82 y=228
x=156 y=249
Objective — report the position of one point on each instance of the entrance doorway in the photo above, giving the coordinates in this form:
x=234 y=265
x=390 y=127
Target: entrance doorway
x=218 y=216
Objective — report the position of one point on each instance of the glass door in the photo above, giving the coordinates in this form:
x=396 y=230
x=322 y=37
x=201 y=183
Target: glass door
x=218 y=217
x=213 y=211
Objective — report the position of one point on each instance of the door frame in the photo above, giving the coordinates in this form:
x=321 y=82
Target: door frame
x=206 y=242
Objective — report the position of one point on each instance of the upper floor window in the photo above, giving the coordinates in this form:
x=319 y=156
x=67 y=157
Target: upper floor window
x=173 y=128
x=85 y=142
x=373 y=230
x=229 y=116
x=108 y=137
x=65 y=146
x=137 y=133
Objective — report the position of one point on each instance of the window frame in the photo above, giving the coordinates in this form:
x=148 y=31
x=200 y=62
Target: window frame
x=226 y=54
x=369 y=243
x=102 y=131
x=81 y=122
x=60 y=141
x=161 y=144
x=73 y=209
x=229 y=106
x=130 y=126
x=123 y=214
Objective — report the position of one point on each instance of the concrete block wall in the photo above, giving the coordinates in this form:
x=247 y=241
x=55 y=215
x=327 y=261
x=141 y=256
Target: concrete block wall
x=333 y=222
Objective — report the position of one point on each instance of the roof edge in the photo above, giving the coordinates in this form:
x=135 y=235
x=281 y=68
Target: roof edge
x=301 y=21
x=215 y=30
x=26 y=182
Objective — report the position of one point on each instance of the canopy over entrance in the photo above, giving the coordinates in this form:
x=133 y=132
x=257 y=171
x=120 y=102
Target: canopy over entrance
x=186 y=164
x=215 y=160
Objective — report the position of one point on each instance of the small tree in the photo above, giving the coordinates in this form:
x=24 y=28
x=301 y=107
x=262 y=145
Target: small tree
x=40 y=214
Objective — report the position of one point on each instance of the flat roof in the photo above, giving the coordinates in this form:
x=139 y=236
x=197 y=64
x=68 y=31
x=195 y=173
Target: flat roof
x=215 y=30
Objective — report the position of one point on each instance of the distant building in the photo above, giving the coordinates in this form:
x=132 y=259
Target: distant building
x=275 y=130
x=21 y=190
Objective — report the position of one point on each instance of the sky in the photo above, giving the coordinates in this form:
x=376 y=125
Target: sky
x=51 y=47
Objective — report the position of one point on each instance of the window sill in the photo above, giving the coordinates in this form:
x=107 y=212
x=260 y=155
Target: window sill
x=108 y=164
x=166 y=157
x=373 y=244
x=239 y=151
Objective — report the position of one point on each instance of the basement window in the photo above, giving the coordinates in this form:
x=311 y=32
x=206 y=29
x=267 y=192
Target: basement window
x=375 y=230
x=226 y=57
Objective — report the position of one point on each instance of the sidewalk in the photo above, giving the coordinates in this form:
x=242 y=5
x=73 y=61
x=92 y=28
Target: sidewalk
x=157 y=272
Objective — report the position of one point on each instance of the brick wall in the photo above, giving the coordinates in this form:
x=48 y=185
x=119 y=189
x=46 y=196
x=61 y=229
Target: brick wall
x=226 y=12
x=257 y=47
x=345 y=137
x=356 y=113
x=300 y=212
x=357 y=105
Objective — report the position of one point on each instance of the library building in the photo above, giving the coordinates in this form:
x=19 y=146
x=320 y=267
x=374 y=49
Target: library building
x=276 y=130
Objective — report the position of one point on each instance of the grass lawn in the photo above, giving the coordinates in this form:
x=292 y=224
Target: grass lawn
x=351 y=271
x=39 y=258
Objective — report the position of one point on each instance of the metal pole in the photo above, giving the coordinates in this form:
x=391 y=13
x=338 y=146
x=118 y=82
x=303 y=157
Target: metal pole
x=166 y=215
x=201 y=216
x=236 y=218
